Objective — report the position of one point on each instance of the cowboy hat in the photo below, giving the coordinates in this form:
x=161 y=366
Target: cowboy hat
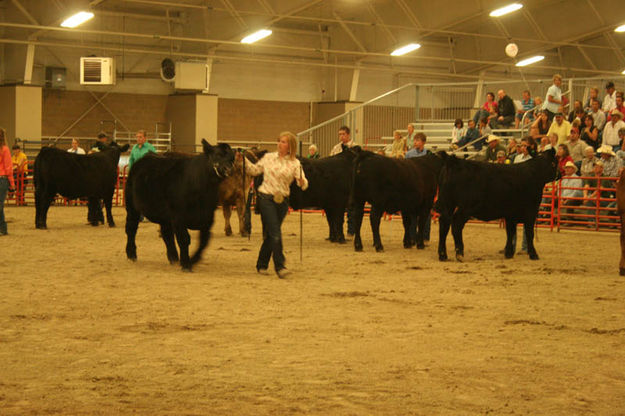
x=606 y=149
x=570 y=164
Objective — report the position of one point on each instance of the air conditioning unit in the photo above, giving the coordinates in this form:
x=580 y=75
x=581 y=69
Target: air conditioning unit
x=97 y=71
x=191 y=76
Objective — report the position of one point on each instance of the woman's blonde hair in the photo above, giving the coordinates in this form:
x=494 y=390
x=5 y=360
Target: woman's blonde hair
x=292 y=143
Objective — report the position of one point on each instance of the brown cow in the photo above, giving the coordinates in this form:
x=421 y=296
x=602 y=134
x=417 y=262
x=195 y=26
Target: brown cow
x=620 y=198
x=233 y=191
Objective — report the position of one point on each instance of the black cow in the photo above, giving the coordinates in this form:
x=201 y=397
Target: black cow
x=391 y=185
x=76 y=176
x=329 y=183
x=489 y=191
x=178 y=192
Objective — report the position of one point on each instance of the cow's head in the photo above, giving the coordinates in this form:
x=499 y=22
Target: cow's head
x=116 y=146
x=221 y=158
x=552 y=173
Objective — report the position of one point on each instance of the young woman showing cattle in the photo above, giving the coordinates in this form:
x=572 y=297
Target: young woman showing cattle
x=279 y=169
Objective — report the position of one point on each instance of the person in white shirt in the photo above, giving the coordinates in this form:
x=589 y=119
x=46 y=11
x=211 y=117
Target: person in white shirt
x=553 y=99
x=610 y=131
x=524 y=154
x=609 y=102
x=344 y=139
x=76 y=148
x=570 y=188
x=279 y=169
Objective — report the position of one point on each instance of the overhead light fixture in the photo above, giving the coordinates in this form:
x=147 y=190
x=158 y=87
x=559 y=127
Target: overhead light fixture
x=77 y=19
x=619 y=29
x=623 y=72
x=505 y=10
x=405 y=49
x=256 y=36
x=529 y=61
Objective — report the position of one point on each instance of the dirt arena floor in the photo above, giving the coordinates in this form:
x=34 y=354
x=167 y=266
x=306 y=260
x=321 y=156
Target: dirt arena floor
x=83 y=331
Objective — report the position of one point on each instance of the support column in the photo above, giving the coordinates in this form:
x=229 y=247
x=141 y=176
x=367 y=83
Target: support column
x=193 y=117
x=21 y=113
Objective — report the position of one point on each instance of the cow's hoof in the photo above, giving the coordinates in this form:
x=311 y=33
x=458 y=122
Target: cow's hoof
x=172 y=259
x=111 y=225
x=245 y=234
x=442 y=256
x=407 y=245
x=420 y=246
x=379 y=248
x=534 y=256
x=132 y=259
x=228 y=232
x=41 y=227
x=94 y=223
x=186 y=269
x=358 y=247
x=342 y=241
x=460 y=257
x=621 y=271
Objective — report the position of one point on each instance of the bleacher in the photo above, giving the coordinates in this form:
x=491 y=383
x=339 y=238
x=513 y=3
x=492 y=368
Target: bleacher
x=438 y=134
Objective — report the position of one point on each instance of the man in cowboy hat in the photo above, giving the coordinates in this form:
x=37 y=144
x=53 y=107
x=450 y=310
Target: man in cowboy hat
x=610 y=131
x=493 y=147
x=571 y=186
x=561 y=127
x=611 y=163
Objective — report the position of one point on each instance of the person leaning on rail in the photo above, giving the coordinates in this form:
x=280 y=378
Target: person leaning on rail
x=6 y=178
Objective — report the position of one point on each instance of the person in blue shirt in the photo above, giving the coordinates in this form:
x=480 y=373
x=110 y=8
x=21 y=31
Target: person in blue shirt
x=140 y=149
x=528 y=104
x=418 y=150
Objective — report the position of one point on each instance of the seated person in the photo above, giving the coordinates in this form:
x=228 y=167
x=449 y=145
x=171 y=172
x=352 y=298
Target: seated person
x=512 y=149
x=571 y=188
x=576 y=146
x=577 y=112
x=313 y=152
x=501 y=158
x=505 y=112
x=595 y=196
x=542 y=124
x=523 y=154
x=528 y=105
x=611 y=164
x=560 y=127
x=563 y=156
x=493 y=147
x=488 y=109
x=590 y=132
x=588 y=162
x=594 y=95
x=418 y=146
x=544 y=144
x=538 y=107
x=457 y=132
x=471 y=134
x=75 y=148
x=621 y=152
x=398 y=149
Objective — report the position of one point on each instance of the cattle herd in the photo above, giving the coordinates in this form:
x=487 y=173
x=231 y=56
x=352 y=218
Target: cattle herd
x=181 y=192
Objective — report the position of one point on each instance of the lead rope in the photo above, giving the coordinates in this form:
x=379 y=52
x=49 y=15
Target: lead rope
x=301 y=219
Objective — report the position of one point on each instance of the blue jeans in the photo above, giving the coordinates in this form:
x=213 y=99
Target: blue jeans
x=4 y=188
x=272 y=215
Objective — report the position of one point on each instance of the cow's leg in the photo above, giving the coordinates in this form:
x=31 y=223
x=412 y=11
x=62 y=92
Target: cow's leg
x=167 y=233
x=622 y=263
x=132 y=224
x=374 y=219
x=357 y=212
x=205 y=235
x=227 y=214
x=443 y=229
x=93 y=205
x=457 y=225
x=108 y=204
x=406 y=218
x=45 y=199
x=422 y=222
x=39 y=221
x=241 y=215
x=332 y=237
x=338 y=220
x=183 y=239
x=510 y=237
x=528 y=229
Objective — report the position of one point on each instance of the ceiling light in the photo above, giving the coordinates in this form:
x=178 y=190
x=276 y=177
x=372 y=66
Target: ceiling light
x=623 y=72
x=405 y=49
x=530 y=61
x=77 y=19
x=263 y=33
x=621 y=28
x=505 y=10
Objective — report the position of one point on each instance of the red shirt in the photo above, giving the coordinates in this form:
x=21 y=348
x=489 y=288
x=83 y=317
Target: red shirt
x=6 y=166
x=562 y=162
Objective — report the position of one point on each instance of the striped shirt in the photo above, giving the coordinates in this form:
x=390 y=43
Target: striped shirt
x=278 y=172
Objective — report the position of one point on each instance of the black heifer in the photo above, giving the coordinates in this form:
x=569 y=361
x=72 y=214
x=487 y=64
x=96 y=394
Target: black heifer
x=178 y=192
x=76 y=176
x=329 y=183
x=489 y=191
x=391 y=185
